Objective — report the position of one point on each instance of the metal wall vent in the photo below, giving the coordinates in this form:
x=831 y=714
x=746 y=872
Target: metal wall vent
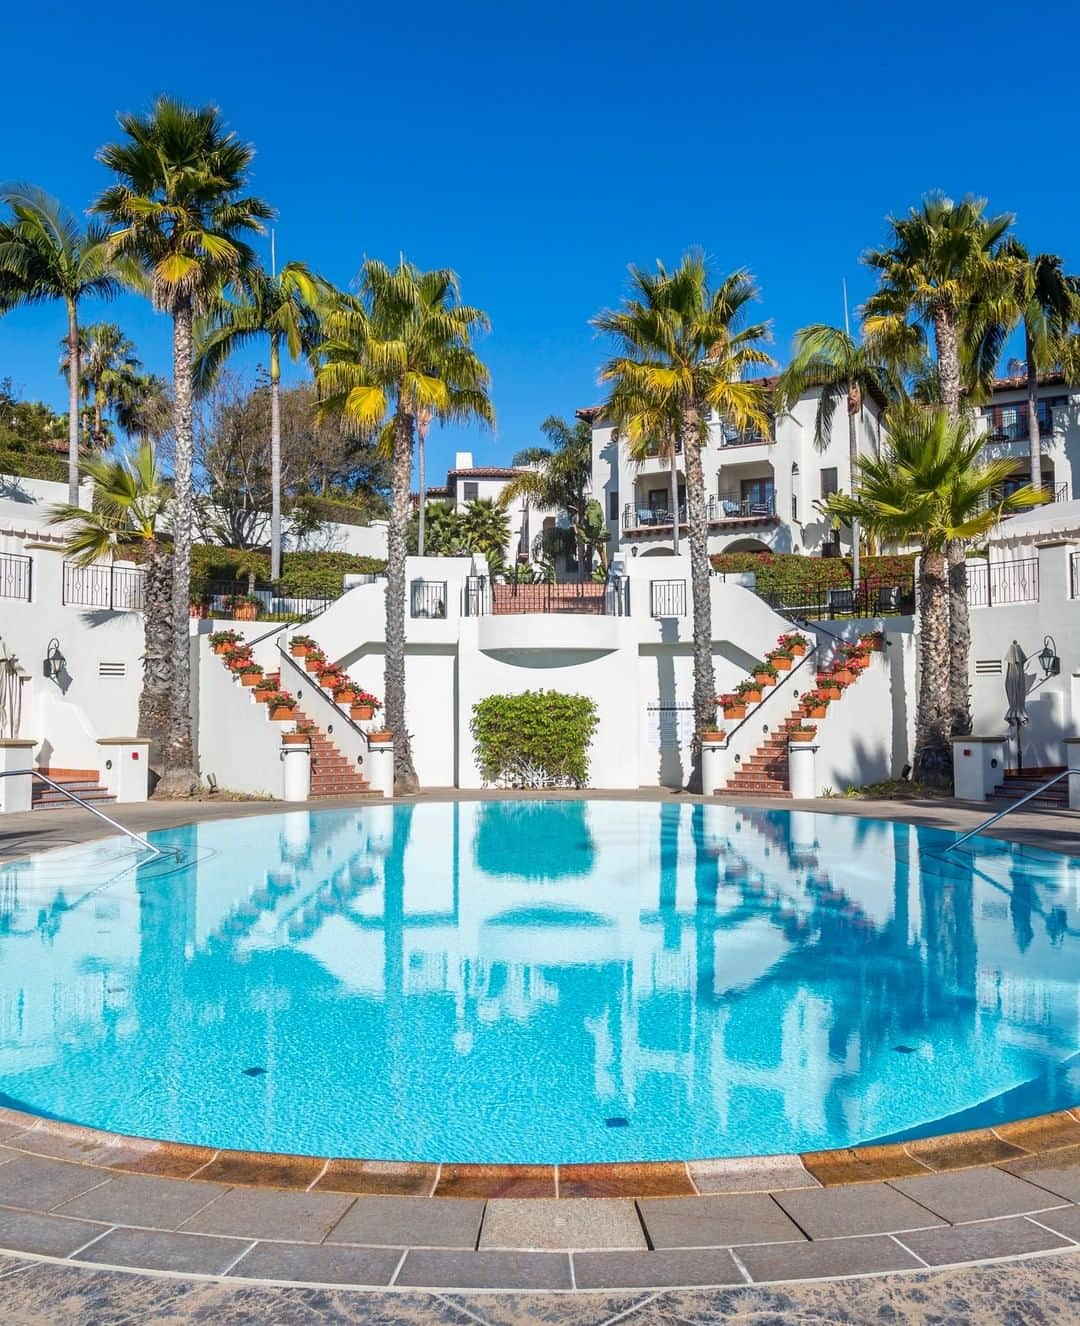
x=112 y=669
x=988 y=667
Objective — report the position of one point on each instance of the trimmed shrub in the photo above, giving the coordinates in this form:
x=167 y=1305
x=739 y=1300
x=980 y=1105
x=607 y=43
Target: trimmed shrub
x=535 y=739
x=780 y=573
x=305 y=574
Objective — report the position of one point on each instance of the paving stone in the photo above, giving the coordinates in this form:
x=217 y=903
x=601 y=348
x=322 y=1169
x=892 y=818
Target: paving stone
x=664 y=1179
x=318 y=1264
x=715 y=1222
x=131 y=1199
x=862 y=1208
x=269 y=1214
x=45 y=1235
x=1065 y=1220
x=825 y=1260
x=1012 y=1237
x=655 y=1270
x=156 y=1250
x=550 y=1225
x=1058 y=1172
x=39 y=1185
x=432 y=1269
x=976 y=1194
x=496 y=1181
x=410 y=1222
x=760 y=1174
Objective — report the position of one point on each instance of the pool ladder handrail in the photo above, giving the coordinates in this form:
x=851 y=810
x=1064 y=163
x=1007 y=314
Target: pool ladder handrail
x=1013 y=805
x=86 y=805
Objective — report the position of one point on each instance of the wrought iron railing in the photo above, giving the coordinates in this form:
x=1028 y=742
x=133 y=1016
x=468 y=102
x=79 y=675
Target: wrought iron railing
x=874 y=596
x=667 y=598
x=242 y=600
x=993 y=583
x=116 y=588
x=725 y=507
x=427 y=598
x=16 y=576
x=482 y=598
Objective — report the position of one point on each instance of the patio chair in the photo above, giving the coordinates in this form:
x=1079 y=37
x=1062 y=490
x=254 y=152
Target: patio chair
x=839 y=600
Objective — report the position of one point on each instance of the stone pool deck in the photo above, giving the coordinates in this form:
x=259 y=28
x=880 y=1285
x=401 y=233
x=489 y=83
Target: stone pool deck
x=98 y=1228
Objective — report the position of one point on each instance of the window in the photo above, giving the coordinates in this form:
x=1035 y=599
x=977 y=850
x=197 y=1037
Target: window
x=613 y=504
x=758 y=496
x=1009 y=423
x=470 y=490
x=794 y=507
x=829 y=483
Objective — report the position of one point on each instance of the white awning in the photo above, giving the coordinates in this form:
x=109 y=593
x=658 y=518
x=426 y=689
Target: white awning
x=1056 y=519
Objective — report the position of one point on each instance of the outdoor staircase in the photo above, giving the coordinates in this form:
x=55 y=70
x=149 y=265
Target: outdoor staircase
x=331 y=773
x=765 y=773
x=85 y=783
x=1019 y=783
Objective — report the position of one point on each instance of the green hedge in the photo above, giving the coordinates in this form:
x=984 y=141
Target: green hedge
x=777 y=572
x=34 y=464
x=535 y=739
x=306 y=574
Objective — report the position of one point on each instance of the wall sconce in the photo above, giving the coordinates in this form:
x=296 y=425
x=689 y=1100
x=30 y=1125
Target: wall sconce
x=633 y=550
x=1048 y=657
x=55 y=663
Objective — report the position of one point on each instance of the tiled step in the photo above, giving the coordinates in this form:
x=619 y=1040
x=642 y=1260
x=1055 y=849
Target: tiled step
x=44 y=797
x=1019 y=783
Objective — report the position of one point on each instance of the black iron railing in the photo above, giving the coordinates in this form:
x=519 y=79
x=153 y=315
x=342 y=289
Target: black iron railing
x=726 y=507
x=873 y=597
x=667 y=598
x=263 y=600
x=482 y=598
x=16 y=573
x=116 y=588
x=989 y=584
x=427 y=598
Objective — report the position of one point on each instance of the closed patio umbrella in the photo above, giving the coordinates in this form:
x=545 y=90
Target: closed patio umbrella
x=1016 y=694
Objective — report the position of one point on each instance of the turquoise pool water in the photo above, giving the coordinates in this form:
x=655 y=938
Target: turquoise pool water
x=540 y=981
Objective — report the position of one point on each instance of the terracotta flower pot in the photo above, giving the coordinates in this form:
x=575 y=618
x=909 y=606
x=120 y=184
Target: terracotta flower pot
x=220 y=649
x=734 y=711
x=763 y=679
x=377 y=738
x=312 y=664
x=752 y=697
x=817 y=711
x=250 y=678
x=295 y=739
x=245 y=612
x=329 y=681
x=844 y=674
x=781 y=664
x=798 y=650
x=712 y=734
x=344 y=695
x=833 y=692
x=197 y=610
x=801 y=736
x=282 y=714
x=298 y=651
x=362 y=713
x=263 y=692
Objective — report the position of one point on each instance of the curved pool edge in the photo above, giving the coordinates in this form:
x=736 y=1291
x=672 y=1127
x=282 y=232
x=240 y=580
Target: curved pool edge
x=1010 y=1143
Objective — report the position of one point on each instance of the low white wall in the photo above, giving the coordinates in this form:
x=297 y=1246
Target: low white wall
x=860 y=740
x=19 y=492
x=237 y=743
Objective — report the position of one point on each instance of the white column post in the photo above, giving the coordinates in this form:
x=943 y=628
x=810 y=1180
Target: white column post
x=714 y=765
x=1072 y=752
x=296 y=778
x=978 y=766
x=802 y=770
x=16 y=754
x=124 y=767
x=379 y=767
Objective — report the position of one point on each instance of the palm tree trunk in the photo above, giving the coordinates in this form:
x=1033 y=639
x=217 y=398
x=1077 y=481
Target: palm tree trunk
x=401 y=473
x=698 y=529
x=1034 y=438
x=157 y=678
x=853 y=463
x=180 y=777
x=933 y=756
x=948 y=362
x=73 y=403
x=275 y=460
x=674 y=498
x=421 y=483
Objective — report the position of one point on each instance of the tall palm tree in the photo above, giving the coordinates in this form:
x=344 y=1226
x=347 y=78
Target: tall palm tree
x=1045 y=302
x=144 y=407
x=282 y=306
x=181 y=214
x=931 y=488
x=556 y=477
x=650 y=427
x=109 y=368
x=401 y=349
x=46 y=255
x=129 y=498
x=945 y=269
x=683 y=350
x=828 y=360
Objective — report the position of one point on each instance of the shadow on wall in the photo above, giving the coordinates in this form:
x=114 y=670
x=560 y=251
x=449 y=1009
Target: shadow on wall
x=670 y=771
x=11 y=490
x=865 y=766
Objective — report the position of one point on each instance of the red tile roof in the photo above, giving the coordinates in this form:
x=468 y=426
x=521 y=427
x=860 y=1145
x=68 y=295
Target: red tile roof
x=485 y=472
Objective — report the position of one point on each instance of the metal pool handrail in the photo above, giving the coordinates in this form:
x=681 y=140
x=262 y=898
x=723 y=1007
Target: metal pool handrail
x=1014 y=805
x=57 y=787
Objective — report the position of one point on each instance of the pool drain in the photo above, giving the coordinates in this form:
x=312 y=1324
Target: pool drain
x=617 y=1122
x=254 y=1072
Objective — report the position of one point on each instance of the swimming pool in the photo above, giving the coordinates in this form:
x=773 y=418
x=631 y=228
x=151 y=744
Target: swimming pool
x=547 y=981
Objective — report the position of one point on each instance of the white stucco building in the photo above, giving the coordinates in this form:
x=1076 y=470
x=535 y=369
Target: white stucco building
x=760 y=490
x=1004 y=420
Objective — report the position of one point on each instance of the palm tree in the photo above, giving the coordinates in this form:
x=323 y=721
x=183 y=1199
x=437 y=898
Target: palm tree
x=1045 y=302
x=45 y=255
x=144 y=407
x=129 y=498
x=402 y=350
x=109 y=368
x=829 y=361
x=684 y=354
x=282 y=306
x=945 y=269
x=181 y=216
x=556 y=477
x=485 y=529
x=931 y=488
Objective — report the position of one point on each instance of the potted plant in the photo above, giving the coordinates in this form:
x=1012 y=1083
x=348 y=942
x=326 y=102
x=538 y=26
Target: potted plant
x=843 y=674
x=222 y=640
x=265 y=687
x=299 y=736
x=796 y=642
x=829 y=687
x=345 y=693
x=712 y=733
x=815 y=704
x=236 y=655
x=364 y=706
x=315 y=660
x=331 y=679
x=874 y=641
x=380 y=735
x=733 y=705
x=301 y=645
x=765 y=674
x=199 y=608
x=242 y=607
x=250 y=673
x=804 y=732
x=750 y=691
x=781 y=658
x=280 y=705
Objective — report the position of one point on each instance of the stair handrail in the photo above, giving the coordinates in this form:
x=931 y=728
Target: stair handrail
x=782 y=681
x=72 y=796
x=310 y=616
x=1015 y=805
x=348 y=718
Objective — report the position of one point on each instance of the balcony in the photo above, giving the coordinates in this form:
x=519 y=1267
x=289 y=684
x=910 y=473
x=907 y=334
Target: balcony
x=749 y=439
x=725 y=509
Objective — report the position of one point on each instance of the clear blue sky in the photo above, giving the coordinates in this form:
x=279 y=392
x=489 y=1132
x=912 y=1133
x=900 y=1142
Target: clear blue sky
x=539 y=149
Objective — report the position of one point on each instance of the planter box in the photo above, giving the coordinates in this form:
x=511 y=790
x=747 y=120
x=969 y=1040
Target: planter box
x=329 y=682
x=299 y=651
x=362 y=713
x=282 y=714
x=763 y=679
x=380 y=738
x=247 y=613
x=251 y=679
x=833 y=692
x=752 y=697
x=295 y=739
x=735 y=711
x=818 y=711
x=264 y=692
x=313 y=664
x=801 y=736
x=844 y=674
x=344 y=695
x=798 y=650
x=781 y=664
